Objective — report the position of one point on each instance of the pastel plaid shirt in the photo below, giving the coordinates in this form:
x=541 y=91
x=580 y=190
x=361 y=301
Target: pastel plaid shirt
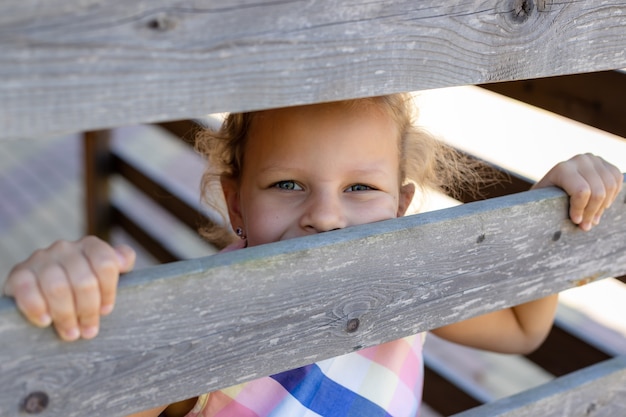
x=384 y=380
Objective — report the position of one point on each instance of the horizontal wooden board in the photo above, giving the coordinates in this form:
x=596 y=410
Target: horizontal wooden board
x=190 y=327
x=599 y=391
x=74 y=65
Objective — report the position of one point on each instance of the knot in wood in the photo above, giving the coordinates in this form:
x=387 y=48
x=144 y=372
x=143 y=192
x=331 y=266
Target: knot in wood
x=35 y=402
x=521 y=10
x=480 y=238
x=353 y=325
x=556 y=236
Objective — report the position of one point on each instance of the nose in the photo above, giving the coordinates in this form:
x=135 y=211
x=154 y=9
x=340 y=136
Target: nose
x=324 y=212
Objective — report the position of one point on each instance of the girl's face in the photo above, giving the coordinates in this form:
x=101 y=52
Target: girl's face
x=312 y=169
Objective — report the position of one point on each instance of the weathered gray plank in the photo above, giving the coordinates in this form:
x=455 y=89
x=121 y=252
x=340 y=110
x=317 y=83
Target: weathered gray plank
x=240 y=315
x=73 y=65
x=598 y=391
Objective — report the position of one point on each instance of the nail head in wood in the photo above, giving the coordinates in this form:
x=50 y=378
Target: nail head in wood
x=161 y=23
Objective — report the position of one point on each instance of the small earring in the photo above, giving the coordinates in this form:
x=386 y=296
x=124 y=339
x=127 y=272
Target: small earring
x=240 y=233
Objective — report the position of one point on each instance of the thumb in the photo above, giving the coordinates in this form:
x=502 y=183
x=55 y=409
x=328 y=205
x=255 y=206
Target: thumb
x=126 y=257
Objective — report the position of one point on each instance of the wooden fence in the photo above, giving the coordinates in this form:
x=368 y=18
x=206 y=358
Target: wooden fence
x=69 y=65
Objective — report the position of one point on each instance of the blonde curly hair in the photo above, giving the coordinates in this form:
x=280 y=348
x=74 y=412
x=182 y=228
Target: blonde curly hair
x=424 y=160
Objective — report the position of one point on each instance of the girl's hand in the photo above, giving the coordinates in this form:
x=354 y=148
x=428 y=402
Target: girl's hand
x=69 y=284
x=592 y=184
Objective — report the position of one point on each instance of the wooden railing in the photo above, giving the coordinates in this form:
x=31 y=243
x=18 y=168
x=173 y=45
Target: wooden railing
x=68 y=66
x=506 y=250
x=71 y=66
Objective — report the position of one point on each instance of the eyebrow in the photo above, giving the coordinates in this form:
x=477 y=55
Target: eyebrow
x=281 y=168
x=359 y=172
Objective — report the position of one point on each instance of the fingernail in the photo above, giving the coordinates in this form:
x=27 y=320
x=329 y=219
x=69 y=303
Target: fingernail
x=577 y=219
x=72 y=334
x=89 y=332
x=596 y=220
x=107 y=309
x=45 y=320
x=586 y=226
x=120 y=257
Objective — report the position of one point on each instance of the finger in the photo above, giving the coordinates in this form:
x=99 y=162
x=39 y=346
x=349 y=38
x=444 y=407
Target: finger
x=597 y=217
x=86 y=293
x=567 y=175
x=105 y=266
x=615 y=178
x=587 y=189
x=620 y=182
x=578 y=202
x=22 y=285
x=127 y=257
x=595 y=204
x=609 y=185
x=58 y=294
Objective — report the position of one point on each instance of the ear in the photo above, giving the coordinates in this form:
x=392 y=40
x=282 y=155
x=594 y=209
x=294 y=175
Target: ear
x=407 y=191
x=230 y=187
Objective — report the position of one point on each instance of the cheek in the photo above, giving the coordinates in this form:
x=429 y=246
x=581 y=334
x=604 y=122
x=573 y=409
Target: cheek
x=261 y=230
x=266 y=223
x=383 y=208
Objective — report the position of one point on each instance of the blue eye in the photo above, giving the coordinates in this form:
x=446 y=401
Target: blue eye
x=359 y=187
x=287 y=185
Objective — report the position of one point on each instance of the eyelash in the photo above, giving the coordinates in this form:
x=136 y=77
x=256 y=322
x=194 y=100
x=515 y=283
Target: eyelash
x=366 y=187
x=280 y=185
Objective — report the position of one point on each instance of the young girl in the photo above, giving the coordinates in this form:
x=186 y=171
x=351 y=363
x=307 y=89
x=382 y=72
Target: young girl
x=298 y=171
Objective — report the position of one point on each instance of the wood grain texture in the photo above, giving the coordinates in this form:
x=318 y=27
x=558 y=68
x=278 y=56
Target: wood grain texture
x=191 y=327
x=75 y=65
x=598 y=391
